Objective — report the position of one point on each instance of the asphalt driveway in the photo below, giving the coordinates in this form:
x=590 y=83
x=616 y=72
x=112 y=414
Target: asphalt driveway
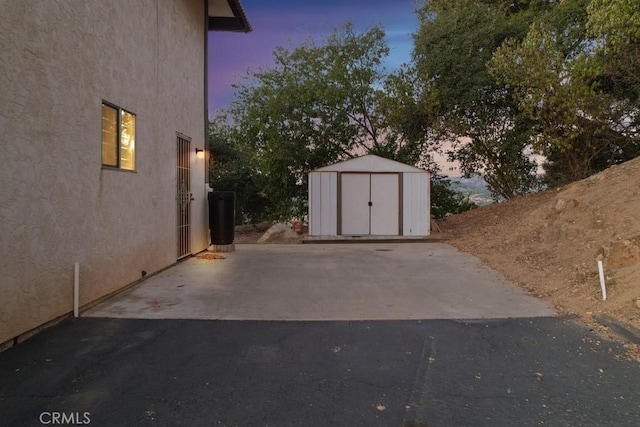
x=372 y=281
x=436 y=373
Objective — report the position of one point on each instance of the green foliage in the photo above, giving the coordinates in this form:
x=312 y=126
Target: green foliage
x=445 y=200
x=321 y=103
x=615 y=27
x=557 y=79
x=505 y=164
x=408 y=108
x=229 y=170
x=616 y=23
x=491 y=82
x=455 y=40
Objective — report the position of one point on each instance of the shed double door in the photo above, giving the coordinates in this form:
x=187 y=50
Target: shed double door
x=370 y=204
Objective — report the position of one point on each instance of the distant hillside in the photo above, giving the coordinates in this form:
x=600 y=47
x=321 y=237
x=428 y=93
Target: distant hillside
x=475 y=188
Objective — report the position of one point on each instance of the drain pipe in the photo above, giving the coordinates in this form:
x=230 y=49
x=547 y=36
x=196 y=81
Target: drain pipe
x=76 y=288
x=602 y=284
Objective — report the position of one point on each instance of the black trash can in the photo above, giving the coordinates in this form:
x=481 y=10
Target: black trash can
x=222 y=217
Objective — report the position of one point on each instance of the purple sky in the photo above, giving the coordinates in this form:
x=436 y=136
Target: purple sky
x=288 y=22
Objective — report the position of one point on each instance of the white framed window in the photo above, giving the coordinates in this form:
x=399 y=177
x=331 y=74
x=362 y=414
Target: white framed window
x=118 y=137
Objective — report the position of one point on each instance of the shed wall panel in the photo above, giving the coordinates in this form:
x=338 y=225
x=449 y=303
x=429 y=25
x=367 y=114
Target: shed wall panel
x=323 y=212
x=329 y=211
x=315 y=198
x=415 y=204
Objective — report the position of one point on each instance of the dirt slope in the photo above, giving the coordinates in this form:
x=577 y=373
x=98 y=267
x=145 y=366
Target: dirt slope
x=549 y=243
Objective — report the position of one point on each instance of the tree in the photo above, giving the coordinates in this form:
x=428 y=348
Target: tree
x=476 y=114
x=445 y=200
x=615 y=25
x=556 y=80
x=500 y=151
x=319 y=104
x=408 y=109
x=229 y=170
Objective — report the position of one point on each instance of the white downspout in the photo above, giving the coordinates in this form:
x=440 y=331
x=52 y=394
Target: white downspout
x=602 y=284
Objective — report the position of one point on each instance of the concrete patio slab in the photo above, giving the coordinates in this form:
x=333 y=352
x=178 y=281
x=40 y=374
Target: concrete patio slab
x=376 y=281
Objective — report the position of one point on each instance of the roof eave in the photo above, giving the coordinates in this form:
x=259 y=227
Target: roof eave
x=238 y=23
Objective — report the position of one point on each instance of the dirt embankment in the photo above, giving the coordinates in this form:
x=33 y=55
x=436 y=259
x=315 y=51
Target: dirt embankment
x=549 y=243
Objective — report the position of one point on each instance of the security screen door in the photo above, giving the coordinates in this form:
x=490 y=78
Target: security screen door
x=370 y=204
x=184 y=197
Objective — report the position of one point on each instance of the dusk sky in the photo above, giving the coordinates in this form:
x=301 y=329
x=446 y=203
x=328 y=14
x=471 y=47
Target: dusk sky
x=288 y=22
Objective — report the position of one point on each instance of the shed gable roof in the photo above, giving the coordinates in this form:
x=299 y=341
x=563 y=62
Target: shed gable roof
x=369 y=163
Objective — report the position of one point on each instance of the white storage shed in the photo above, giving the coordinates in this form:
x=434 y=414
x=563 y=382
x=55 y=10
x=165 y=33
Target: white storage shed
x=369 y=196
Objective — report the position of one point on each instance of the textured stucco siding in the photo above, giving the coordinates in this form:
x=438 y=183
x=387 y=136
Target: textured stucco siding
x=59 y=60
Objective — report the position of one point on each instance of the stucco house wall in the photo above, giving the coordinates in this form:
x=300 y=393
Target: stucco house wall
x=58 y=205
